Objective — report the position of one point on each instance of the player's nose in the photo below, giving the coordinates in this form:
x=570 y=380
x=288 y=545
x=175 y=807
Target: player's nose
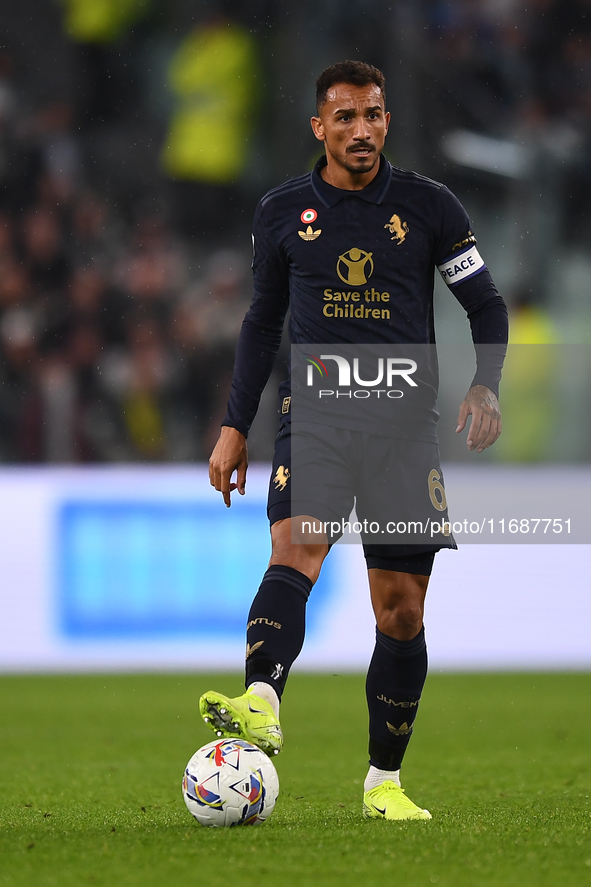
x=361 y=130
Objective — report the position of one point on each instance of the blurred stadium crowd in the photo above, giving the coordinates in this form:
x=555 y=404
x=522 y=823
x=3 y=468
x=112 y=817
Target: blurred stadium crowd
x=111 y=348
x=135 y=138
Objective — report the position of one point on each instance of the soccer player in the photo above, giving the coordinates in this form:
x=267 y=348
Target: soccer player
x=354 y=224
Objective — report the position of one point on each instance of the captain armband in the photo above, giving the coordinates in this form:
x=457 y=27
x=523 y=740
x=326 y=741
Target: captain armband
x=462 y=266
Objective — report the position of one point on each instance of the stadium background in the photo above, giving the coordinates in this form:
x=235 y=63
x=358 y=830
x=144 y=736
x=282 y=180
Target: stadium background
x=135 y=139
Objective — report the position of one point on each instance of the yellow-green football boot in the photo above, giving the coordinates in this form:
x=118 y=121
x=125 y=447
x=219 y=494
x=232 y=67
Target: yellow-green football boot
x=388 y=801
x=248 y=716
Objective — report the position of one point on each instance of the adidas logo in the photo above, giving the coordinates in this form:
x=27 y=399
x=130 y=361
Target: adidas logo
x=250 y=650
x=403 y=730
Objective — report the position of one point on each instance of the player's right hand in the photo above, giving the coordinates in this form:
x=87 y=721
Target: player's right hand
x=230 y=455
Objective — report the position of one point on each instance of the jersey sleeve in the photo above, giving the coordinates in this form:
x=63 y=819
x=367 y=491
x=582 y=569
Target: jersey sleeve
x=465 y=273
x=260 y=334
x=489 y=325
x=456 y=255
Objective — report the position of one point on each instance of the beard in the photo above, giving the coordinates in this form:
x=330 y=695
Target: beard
x=363 y=164
x=360 y=165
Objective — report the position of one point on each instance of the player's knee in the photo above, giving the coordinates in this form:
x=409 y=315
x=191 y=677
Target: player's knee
x=307 y=559
x=403 y=621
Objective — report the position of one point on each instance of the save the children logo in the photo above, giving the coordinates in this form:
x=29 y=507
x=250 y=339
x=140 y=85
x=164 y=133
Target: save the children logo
x=355 y=267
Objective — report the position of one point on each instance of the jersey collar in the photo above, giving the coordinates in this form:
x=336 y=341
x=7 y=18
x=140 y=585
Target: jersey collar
x=373 y=193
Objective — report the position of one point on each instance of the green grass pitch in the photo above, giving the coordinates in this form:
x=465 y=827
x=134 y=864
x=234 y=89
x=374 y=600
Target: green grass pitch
x=91 y=768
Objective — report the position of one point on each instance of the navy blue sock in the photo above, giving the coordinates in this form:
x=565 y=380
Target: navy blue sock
x=393 y=687
x=276 y=626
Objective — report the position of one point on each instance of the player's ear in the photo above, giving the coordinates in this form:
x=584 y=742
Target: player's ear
x=387 y=119
x=317 y=128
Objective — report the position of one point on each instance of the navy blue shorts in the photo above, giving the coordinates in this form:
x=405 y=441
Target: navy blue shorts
x=392 y=483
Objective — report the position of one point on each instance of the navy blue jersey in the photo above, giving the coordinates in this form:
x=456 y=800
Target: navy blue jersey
x=358 y=267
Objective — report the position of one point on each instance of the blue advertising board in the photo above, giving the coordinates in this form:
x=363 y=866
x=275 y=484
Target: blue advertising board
x=154 y=568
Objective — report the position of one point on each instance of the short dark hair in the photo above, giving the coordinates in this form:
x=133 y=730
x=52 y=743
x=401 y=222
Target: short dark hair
x=356 y=73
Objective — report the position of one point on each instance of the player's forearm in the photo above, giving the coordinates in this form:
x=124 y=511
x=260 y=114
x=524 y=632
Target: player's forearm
x=490 y=329
x=255 y=355
x=489 y=324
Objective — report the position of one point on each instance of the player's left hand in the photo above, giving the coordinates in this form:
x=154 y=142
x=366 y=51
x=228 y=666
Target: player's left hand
x=481 y=403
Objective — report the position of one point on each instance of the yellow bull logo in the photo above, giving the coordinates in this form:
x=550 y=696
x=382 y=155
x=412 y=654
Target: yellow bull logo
x=282 y=475
x=398 y=228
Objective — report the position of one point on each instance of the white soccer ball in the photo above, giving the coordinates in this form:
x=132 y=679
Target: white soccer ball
x=230 y=782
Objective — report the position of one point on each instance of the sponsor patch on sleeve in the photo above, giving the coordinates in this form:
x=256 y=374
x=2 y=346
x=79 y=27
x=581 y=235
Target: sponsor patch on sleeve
x=465 y=264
